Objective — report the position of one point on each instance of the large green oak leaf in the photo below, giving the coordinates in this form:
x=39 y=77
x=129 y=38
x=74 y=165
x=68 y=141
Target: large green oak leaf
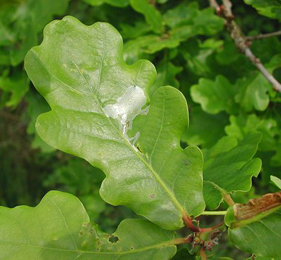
x=59 y=228
x=94 y=96
x=255 y=227
x=229 y=166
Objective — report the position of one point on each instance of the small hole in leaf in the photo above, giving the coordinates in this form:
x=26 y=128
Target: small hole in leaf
x=86 y=224
x=113 y=239
x=139 y=149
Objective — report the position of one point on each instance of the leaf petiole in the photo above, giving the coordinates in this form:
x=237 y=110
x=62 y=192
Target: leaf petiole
x=213 y=213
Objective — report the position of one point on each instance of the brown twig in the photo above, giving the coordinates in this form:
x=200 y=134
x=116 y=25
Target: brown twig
x=228 y=8
x=241 y=41
x=214 y=4
x=262 y=36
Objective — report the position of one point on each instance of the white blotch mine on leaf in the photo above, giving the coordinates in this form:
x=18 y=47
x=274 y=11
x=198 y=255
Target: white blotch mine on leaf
x=126 y=108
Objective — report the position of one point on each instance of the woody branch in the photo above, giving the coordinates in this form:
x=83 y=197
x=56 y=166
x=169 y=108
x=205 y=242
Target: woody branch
x=242 y=42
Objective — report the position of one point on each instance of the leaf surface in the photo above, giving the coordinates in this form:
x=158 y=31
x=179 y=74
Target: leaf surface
x=182 y=14
x=36 y=106
x=129 y=31
x=229 y=166
x=17 y=84
x=82 y=180
x=276 y=181
x=243 y=124
x=94 y=96
x=214 y=97
x=188 y=15
x=276 y=159
x=152 y=15
x=21 y=21
x=196 y=134
x=148 y=44
x=119 y=3
x=60 y=228
x=184 y=254
x=166 y=75
x=190 y=22
x=269 y=8
x=253 y=92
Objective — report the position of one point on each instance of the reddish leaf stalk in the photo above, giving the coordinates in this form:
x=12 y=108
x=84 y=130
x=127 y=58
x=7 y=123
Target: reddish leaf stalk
x=188 y=222
x=203 y=254
x=211 y=228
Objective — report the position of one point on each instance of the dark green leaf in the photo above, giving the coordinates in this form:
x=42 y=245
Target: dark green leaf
x=184 y=254
x=16 y=84
x=134 y=31
x=148 y=44
x=204 y=129
x=214 y=97
x=118 y=3
x=269 y=8
x=167 y=73
x=36 y=106
x=276 y=159
x=152 y=15
x=185 y=16
x=253 y=92
x=244 y=124
x=21 y=21
x=276 y=181
x=182 y=14
x=229 y=166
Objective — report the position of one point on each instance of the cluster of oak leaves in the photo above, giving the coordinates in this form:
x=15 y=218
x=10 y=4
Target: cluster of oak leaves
x=235 y=115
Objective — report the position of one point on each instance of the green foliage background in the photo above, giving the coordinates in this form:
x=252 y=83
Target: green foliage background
x=229 y=100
